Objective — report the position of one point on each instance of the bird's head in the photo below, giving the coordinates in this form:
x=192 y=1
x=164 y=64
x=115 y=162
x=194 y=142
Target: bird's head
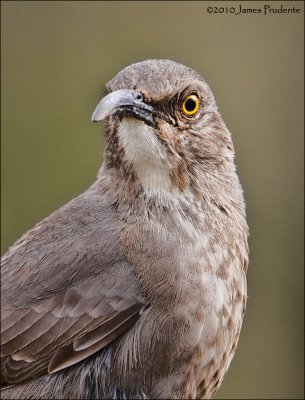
x=163 y=128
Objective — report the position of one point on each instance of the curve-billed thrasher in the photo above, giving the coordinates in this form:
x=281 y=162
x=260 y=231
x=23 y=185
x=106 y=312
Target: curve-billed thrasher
x=136 y=289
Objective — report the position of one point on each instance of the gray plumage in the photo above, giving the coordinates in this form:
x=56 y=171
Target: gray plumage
x=135 y=289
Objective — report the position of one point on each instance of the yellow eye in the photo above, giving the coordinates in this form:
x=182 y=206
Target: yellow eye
x=190 y=105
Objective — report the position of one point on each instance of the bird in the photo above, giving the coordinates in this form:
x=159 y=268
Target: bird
x=136 y=288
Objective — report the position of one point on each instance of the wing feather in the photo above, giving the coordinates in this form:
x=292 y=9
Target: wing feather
x=67 y=290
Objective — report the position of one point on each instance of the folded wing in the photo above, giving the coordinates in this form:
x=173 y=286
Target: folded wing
x=63 y=300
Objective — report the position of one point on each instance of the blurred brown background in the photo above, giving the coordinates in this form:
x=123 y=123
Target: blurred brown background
x=56 y=57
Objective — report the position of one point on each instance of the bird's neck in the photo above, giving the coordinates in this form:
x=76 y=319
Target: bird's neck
x=146 y=186
x=209 y=189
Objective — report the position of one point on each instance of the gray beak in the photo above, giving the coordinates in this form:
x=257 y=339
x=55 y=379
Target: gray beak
x=123 y=102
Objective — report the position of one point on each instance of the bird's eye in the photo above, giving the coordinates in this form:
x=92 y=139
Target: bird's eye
x=190 y=105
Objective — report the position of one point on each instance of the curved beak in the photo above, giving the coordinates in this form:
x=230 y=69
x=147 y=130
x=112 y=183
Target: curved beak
x=123 y=102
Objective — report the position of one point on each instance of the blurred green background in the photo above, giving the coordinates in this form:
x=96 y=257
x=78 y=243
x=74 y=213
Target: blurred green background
x=57 y=56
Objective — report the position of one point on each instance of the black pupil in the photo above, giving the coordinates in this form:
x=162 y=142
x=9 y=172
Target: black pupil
x=190 y=105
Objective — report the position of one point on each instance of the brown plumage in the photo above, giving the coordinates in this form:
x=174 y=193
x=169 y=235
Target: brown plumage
x=135 y=289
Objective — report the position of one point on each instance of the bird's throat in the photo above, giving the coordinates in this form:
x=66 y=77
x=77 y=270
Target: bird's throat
x=146 y=155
